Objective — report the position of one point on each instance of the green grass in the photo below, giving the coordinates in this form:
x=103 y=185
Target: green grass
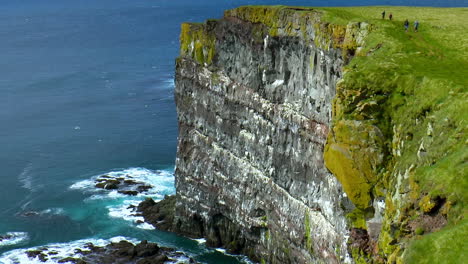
x=441 y=37
x=442 y=247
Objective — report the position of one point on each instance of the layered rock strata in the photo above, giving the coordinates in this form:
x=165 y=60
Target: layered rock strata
x=253 y=94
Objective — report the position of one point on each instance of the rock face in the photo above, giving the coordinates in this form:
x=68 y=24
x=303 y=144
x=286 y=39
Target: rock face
x=254 y=95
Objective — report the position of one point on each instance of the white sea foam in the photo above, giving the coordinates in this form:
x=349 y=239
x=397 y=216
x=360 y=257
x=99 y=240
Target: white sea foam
x=123 y=206
x=146 y=226
x=13 y=238
x=222 y=250
x=53 y=211
x=161 y=181
x=85 y=184
x=170 y=82
x=200 y=240
x=180 y=260
x=25 y=177
x=241 y=258
x=127 y=212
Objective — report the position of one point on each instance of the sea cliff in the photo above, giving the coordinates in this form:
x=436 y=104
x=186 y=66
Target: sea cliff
x=322 y=135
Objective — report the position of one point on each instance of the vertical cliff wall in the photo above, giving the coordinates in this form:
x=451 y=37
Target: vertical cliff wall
x=307 y=138
x=253 y=94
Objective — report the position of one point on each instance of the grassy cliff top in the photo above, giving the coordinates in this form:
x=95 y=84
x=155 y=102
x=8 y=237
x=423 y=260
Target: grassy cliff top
x=442 y=32
x=439 y=48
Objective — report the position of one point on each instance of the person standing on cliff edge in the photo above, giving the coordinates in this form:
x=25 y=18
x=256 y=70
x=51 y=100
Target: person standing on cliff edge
x=390 y=16
x=406 y=25
x=383 y=14
x=416 y=26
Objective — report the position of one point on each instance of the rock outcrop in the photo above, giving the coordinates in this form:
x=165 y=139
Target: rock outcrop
x=159 y=214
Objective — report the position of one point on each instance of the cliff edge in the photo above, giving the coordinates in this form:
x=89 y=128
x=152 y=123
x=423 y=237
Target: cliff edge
x=324 y=135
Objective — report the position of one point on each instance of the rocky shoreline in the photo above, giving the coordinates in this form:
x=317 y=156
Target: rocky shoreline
x=158 y=214
x=148 y=211
x=115 y=253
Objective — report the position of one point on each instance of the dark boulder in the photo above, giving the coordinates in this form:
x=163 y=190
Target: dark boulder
x=37 y=253
x=145 y=249
x=155 y=260
x=131 y=193
x=160 y=214
x=72 y=260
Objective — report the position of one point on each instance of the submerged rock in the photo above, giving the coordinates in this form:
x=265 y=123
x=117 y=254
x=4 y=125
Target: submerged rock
x=37 y=254
x=29 y=213
x=72 y=260
x=124 y=185
x=5 y=237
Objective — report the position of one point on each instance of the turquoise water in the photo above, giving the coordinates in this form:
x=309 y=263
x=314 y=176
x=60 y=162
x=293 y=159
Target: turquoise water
x=87 y=88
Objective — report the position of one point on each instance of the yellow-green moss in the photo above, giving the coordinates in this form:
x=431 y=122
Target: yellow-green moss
x=357 y=218
x=198 y=42
x=353 y=154
x=359 y=256
x=419 y=230
x=426 y=204
x=387 y=243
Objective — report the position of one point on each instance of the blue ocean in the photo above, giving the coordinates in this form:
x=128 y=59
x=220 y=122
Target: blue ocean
x=86 y=88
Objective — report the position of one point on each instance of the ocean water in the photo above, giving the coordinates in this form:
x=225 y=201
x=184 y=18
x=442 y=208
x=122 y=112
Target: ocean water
x=87 y=88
